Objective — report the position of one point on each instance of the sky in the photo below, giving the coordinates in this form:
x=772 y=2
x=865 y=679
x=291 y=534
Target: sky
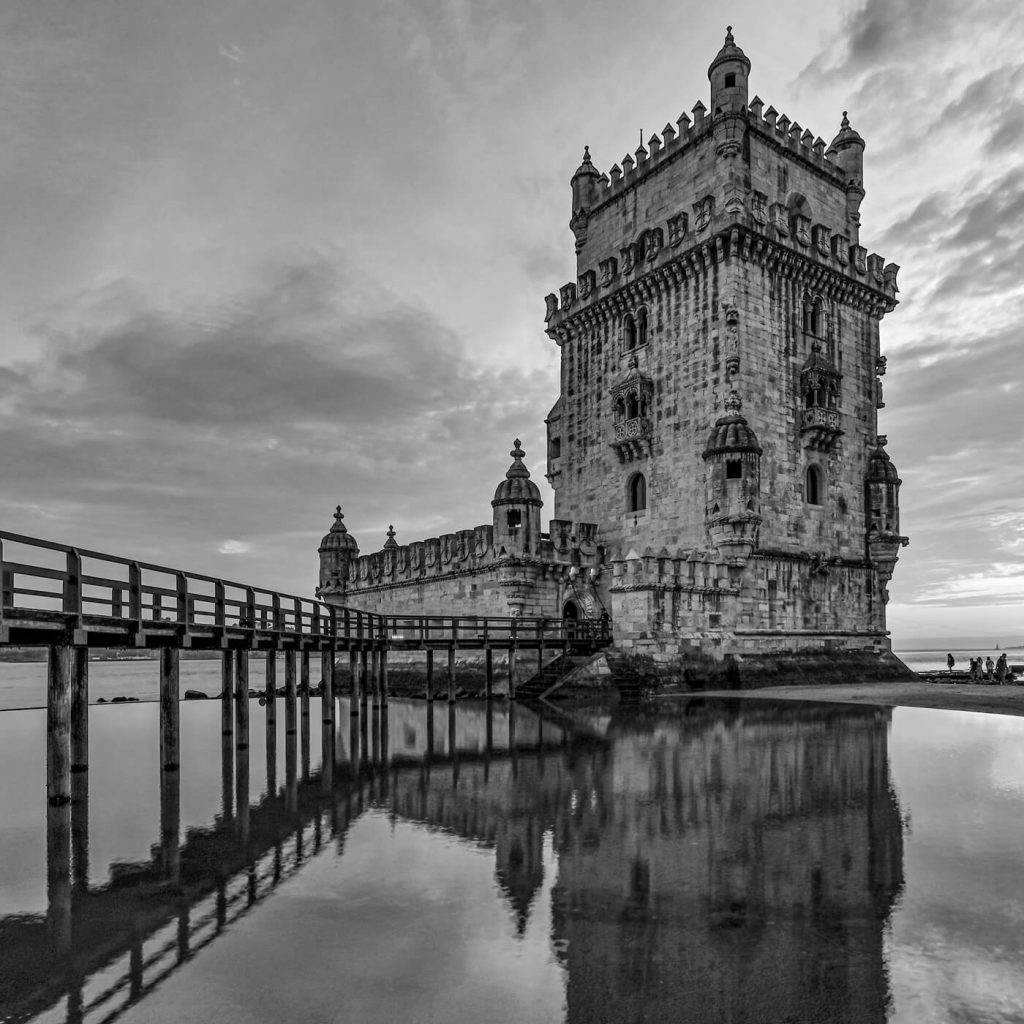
x=260 y=259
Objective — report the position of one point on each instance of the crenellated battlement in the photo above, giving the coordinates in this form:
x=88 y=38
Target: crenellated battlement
x=463 y=552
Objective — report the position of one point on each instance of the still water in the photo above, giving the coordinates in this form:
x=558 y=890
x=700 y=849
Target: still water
x=741 y=861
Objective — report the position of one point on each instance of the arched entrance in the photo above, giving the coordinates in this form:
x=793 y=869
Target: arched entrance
x=571 y=615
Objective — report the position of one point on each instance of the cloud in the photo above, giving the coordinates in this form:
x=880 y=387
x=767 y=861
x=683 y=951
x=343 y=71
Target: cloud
x=254 y=417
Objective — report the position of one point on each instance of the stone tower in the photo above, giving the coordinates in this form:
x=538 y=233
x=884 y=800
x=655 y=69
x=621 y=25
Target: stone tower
x=720 y=368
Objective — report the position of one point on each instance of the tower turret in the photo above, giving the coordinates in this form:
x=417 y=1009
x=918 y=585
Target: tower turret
x=337 y=551
x=733 y=483
x=517 y=504
x=728 y=74
x=584 y=195
x=847 y=150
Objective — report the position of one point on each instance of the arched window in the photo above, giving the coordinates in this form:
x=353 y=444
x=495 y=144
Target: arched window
x=833 y=395
x=813 y=485
x=641 y=326
x=814 y=316
x=632 y=408
x=636 y=493
x=629 y=332
x=620 y=409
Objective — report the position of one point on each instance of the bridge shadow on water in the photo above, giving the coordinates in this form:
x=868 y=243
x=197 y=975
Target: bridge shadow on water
x=697 y=848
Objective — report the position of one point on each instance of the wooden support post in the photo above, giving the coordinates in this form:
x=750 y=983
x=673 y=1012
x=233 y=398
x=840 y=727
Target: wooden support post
x=489 y=673
x=451 y=675
x=289 y=692
x=270 y=691
x=227 y=777
x=430 y=731
x=375 y=735
x=227 y=692
x=80 y=710
x=512 y=671
x=513 y=753
x=430 y=674
x=327 y=686
x=384 y=677
x=271 y=752
x=242 y=793
x=364 y=675
x=375 y=676
x=242 y=700
x=353 y=671
x=327 y=763
x=384 y=742
x=304 y=682
x=58 y=725
x=170 y=824
x=353 y=743
x=453 y=750
x=170 y=710
x=80 y=827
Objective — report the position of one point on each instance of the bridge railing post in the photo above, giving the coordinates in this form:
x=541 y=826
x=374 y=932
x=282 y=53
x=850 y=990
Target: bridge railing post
x=297 y=615
x=278 y=616
x=6 y=591
x=72 y=597
x=250 y=609
x=219 y=604
x=182 y=610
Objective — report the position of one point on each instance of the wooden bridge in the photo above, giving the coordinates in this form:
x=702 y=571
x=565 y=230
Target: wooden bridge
x=71 y=600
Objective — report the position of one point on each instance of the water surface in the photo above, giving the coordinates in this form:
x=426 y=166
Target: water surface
x=711 y=861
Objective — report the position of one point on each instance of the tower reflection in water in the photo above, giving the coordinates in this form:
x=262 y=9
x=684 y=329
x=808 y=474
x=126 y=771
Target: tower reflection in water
x=720 y=861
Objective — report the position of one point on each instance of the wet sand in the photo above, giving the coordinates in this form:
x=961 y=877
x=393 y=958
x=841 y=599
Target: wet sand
x=991 y=698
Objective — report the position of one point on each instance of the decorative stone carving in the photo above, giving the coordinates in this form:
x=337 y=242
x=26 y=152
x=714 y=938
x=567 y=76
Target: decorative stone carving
x=823 y=239
x=609 y=269
x=677 y=226
x=653 y=242
x=567 y=294
x=860 y=259
x=759 y=208
x=627 y=258
x=841 y=249
x=551 y=303
x=587 y=283
x=702 y=211
x=780 y=219
x=802 y=230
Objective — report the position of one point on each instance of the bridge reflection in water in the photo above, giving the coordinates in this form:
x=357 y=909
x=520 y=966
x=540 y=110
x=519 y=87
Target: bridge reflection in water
x=721 y=861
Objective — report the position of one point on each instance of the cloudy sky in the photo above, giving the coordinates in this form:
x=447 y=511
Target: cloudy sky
x=261 y=258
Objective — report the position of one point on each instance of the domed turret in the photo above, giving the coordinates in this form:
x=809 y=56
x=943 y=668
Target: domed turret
x=337 y=551
x=584 y=195
x=728 y=74
x=847 y=150
x=732 y=513
x=882 y=505
x=517 y=504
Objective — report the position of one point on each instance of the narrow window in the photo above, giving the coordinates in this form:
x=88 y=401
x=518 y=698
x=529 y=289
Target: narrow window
x=812 y=486
x=554 y=447
x=514 y=519
x=637 y=493
x=733 y=469
x=730 y=81
x=620 y=409
x=641 y=326
x=632 y=409
x=629 y=332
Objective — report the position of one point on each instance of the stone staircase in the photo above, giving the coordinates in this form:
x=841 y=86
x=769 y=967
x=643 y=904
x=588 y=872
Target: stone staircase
x=624 y=679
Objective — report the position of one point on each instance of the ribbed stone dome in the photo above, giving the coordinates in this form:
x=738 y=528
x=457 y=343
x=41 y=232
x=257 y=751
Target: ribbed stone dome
x=729 y=51
x=339 y=539
x=847 y=136
x=731 y=433
x=517 y=488
x=880 y=467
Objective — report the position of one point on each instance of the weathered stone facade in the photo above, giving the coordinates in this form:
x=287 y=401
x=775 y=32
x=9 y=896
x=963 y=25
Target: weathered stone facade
x=716 y=428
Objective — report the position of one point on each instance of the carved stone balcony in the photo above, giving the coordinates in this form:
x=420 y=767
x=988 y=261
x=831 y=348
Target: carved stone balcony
x=632 y=438
x=819 y=428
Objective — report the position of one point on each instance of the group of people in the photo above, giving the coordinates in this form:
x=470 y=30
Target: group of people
x=986 y=669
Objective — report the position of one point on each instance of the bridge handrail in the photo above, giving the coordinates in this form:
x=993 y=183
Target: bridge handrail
x=241 y=607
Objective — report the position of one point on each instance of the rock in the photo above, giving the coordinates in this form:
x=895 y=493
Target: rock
x=196 y=695
x=102 y=700
x=119 y=700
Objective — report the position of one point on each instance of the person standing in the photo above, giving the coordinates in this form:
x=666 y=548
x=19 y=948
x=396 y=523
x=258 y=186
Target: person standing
x=950 y=662
x=1001 y=668
x=989 y=667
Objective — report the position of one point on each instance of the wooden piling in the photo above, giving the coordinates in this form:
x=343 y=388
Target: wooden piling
x=364 y=675
x=58 y=724
x=375 y=676
x=271 y=756
x=430 y=674
x=488 y=673
x=327 y=686
x=80 y=711
x=170 y=823
x=304 y=682
x=170 y=710
x=227 y=777
x=512 y=671
x=227 y=692
x=327 y=761
x=80 y=829
x=242 y=699
x=291 y=784
x=242 y=793
x=270 y=690
x=353 y=672
x=451 y=674
x=384 y=677
x=289 y=692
